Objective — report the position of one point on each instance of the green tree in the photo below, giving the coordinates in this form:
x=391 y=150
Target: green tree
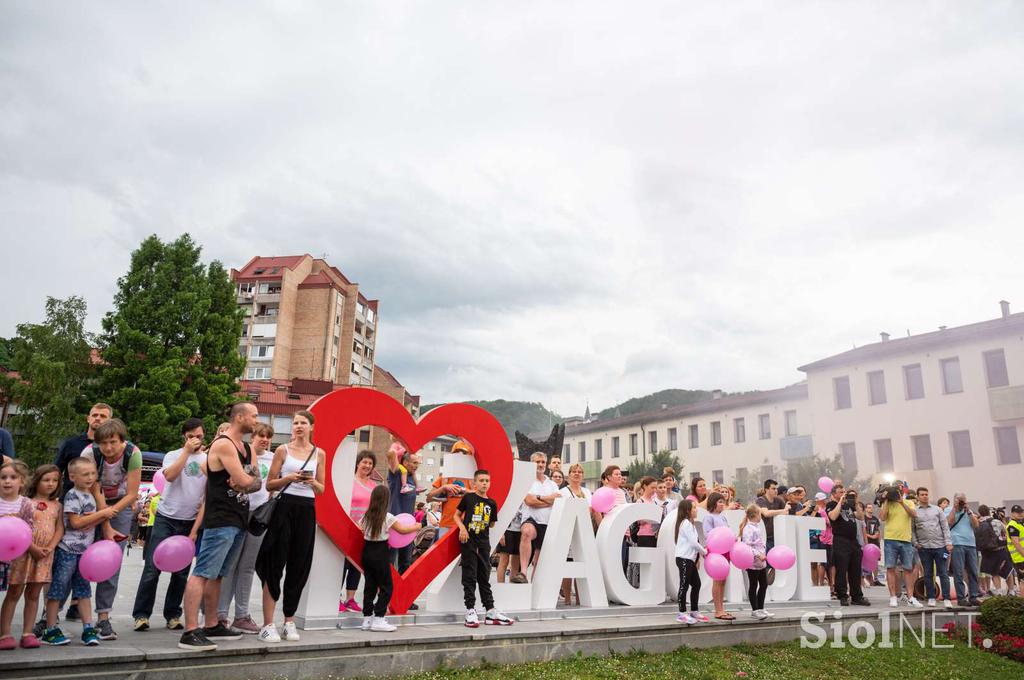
x=170 y=345
x=53 y=367
x=808 y=471
x=654 y=465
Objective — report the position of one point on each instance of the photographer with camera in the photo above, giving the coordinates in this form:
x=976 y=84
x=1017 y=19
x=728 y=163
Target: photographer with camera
x=933 y=546
x=897 y=513
x=965 y=551
x=846 y=551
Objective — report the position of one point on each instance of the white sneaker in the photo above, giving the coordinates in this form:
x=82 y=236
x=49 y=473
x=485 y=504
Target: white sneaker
x=767 y=613
x=269 y=634
x=686 y=618
x=472 y=620
x=495 y=617
x=914 y=603
x=948 y=604
x=367 y=622
x=759 y=614
x=893 y=602
x=931 y=602
x=291 y=633
x=381 y=625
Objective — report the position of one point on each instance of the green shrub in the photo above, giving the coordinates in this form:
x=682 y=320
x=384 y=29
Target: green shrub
x=1003 y=614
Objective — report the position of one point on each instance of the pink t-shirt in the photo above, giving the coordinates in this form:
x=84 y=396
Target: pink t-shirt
x=646 y=528
x=360 y=499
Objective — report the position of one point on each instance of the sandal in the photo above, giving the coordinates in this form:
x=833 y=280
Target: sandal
x=725 y=617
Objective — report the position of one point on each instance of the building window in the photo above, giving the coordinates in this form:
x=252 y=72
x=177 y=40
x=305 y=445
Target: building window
x=1007 y=445
x=364 y=436
x=739 y=430
x=258 y=373
x=741 y=475
x=262 y=352
x=883 y=455
x=767 y=472
x=615 y=447
x=876 y=387
x=960 y=445
x=652 y=438
x=693 y=476
x=673 y=439
x=790 y=423
x=841 y=392
x=718 y=476
x=764 y=426
x=565 y=454
x=716 y=433
x=632 y=444
x=951 y=382
x=430 y=461
x=582 y=446
x=995 y=368
x=913 y=382
x=694 y=437
x=848 y=453
x=921 y=445
x=598 y=446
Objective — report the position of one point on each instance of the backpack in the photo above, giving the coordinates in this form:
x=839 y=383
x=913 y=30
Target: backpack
x=97 y=455
x=985 y=536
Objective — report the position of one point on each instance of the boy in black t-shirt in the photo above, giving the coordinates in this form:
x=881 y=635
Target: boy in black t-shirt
x=474 y=517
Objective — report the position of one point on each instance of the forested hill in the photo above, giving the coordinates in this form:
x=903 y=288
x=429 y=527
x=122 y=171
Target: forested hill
x=527 y=417
x=652 y=402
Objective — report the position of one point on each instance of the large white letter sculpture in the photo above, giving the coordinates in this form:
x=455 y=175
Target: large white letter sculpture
x=652 y=564
x=569 y=527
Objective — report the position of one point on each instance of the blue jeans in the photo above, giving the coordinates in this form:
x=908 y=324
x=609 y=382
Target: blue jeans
x=899 y=553
x=965 y=557
x=219 y=551
x=401 y=557
x=145 y=596
x=933 y=560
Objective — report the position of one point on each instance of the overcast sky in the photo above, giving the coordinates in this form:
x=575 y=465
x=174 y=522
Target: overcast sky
x=556 y=202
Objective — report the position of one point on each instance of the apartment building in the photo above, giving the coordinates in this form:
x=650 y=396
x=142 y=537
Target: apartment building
x=725 y=439
x=306 y=320
x=942 y=409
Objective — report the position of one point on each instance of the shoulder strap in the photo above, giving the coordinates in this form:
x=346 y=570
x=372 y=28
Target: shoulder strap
x=303 y=466
x=129 y=451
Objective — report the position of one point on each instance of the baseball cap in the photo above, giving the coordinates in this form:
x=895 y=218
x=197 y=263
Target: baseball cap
x=820 y=496
x=1016 y=508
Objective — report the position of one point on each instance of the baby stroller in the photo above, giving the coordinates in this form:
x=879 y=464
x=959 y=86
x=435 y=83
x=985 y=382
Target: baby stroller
x=425 y=538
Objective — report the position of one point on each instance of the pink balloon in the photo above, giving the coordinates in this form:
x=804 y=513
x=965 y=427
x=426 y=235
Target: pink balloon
x=100 y=561
x=867 y=563
x=603 y=499
x=716 y=566
x=720 y=540
x=742 y=556
x=159 y=481
x=825 y=484
x=15 y=538
x=399 y=540
x=781 y=557
x=874 y=551
x=174 y=553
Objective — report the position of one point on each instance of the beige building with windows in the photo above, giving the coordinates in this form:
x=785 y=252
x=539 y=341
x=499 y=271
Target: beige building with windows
x=306 y=320
x=942 y=409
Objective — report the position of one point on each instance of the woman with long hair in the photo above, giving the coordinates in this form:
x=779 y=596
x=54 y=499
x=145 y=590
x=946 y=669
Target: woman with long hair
x=699 y=492
x=574 y=489
x=375 y=525
x=297 y=473
x=362 y=487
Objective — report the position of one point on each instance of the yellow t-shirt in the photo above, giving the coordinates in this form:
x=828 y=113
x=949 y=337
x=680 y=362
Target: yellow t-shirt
x=897 y=522
x=155 y=501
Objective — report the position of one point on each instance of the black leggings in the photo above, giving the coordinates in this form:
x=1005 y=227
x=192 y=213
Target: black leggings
x=758 y=587
x=288 y=549
x=377 y=570
x=689 y=578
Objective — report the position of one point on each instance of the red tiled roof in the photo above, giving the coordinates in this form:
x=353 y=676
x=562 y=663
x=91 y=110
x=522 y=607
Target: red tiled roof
x=276 y=397
x=259 y=262
x=318 y=280
x=387 y=375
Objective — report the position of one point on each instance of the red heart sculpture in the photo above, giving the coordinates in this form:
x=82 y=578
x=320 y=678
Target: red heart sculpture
x=343 y=411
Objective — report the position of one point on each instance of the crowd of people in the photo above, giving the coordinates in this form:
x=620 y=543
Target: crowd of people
x=250 y=513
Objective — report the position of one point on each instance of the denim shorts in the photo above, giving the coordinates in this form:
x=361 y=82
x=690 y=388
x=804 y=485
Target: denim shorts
x=66 y=576
x=899 y=553
x=217 y=552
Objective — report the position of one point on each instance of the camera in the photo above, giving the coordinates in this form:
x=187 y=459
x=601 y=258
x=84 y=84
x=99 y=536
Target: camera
x=887 y=493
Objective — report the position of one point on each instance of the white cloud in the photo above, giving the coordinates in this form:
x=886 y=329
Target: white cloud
x=554 y=202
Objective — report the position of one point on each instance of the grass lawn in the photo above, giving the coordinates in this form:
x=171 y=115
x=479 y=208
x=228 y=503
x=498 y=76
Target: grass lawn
x=780 y=661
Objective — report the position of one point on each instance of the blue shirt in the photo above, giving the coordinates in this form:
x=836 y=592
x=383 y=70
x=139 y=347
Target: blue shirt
x=401 y=502
x=6 y=444
x=962 y=533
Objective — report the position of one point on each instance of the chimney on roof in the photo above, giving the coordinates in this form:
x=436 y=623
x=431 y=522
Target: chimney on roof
x=885 y=336
x=716 y=394
x=1005 y=306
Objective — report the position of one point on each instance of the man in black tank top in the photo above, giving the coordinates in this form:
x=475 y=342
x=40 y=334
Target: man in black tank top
x=230 y=477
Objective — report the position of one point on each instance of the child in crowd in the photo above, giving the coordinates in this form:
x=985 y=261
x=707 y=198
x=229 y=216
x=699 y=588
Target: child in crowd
x=30 y=572
x=753 y=535
x=713 y=520
x=474 y=517
x=81 y=518
x=688 y=551
x=376 y=524
x=13 y=476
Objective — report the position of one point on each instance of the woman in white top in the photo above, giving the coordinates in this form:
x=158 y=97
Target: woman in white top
x=574 y=489
x=688 y=552
x=297 y=473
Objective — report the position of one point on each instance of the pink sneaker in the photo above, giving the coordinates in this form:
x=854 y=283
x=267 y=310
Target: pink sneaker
x=7 y=643
x=700 y=617
x=353 y=606
x=341 y=606
x=29 y=642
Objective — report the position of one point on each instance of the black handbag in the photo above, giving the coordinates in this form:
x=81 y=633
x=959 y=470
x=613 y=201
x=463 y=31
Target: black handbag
x=259 y=520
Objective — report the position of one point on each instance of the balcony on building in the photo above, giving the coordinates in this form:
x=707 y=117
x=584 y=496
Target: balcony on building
x=796 y=448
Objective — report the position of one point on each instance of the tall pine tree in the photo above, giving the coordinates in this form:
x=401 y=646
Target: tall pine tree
x=170 y=346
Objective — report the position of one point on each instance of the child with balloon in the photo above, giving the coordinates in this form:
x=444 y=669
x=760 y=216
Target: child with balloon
x=714 y=519
x=750 y=555
x=31 y=571
x=13 y=475
x=377 y=524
